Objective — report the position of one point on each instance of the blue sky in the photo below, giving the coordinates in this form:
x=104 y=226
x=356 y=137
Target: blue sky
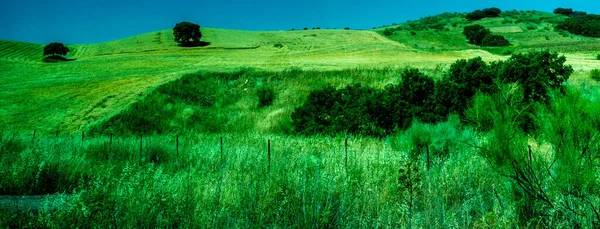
x=93 y=21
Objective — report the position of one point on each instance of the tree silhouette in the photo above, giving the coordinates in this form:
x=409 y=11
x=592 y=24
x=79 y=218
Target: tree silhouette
x=56 y=48
x=187 y=34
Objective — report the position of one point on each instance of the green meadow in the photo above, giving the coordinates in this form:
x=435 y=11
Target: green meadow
x=140 y=133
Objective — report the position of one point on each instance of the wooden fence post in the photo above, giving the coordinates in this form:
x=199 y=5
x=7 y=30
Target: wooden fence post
x=346 y=152
x=269 y=153
x=33 y=138
x=56 y=133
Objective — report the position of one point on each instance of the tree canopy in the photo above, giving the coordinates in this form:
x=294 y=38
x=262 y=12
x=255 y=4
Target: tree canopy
x=187 y=34
x=56 y=48
x=479 y=35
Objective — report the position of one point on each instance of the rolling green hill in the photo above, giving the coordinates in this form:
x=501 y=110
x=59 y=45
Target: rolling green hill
x=175 y=137
x=107 y=77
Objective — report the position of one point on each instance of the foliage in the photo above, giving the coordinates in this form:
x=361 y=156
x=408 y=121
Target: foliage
x=552 y=179
x=536 y=72
x=485 y=13
x=494 y=40
x=479 y=35
x=265 y=96
x=568 y=12
x=585 y=25
x=563 y=11
x=56 y=48
x=388 y=32
x=476 y=33
x=203 y=92
x=359 y=110
x=595 y=74
x=460 y=83
x=187 y=34
x=598 y=57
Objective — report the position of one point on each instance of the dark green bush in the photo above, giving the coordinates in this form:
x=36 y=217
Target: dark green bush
x=464 y=78
x=585 y=25
x=598 y=57
x=388 y=32
x=187 y=34
x=479 y=35
x=536 y=72
x=563 y=11
x=480 y=14
x=476 y=33
x=360 y=110
x=595 y=74
x=12 y=144
x=266 y=95
x=412 y=33
x=494 y=40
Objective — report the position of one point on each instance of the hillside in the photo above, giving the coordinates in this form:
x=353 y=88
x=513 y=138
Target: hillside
x=307 y=129
x=526 y=30
x=107 y=77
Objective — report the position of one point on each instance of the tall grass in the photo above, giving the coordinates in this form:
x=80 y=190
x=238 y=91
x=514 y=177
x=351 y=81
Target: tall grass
x=307 y=186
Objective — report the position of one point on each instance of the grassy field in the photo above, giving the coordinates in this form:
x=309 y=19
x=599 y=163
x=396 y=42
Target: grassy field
x=313 y=181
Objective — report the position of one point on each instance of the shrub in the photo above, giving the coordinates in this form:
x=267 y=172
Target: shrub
x=464 y=78
x=278 y=45
x=475 y=33
x=480 y=14
x=347 y=28
x=388 y=32
x=595 y=74
x=266 y=95
x=598 y=57
x=563 y=11
x=536 y=72
x=586 y=25
x=530 y=27
x=413 y=33
x=360 y=110
x=479 y=35
x=494 y=40
x=56 y=48
x=187 y=34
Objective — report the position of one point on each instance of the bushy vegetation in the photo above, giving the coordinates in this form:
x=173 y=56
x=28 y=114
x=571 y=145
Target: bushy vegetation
x=485 y=13
x=367 y=111
x=585 y=25
x=202 y=92
x=187 y=34
x=488 y=145
x=479 y=35
x=595 y=74
x=56 y=48
x=266 y=95
x=379 y=112
x=568 y=12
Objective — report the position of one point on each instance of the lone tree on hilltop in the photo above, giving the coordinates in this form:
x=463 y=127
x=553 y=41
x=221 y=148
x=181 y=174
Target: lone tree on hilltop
x=187 y=34
x=56 y=48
